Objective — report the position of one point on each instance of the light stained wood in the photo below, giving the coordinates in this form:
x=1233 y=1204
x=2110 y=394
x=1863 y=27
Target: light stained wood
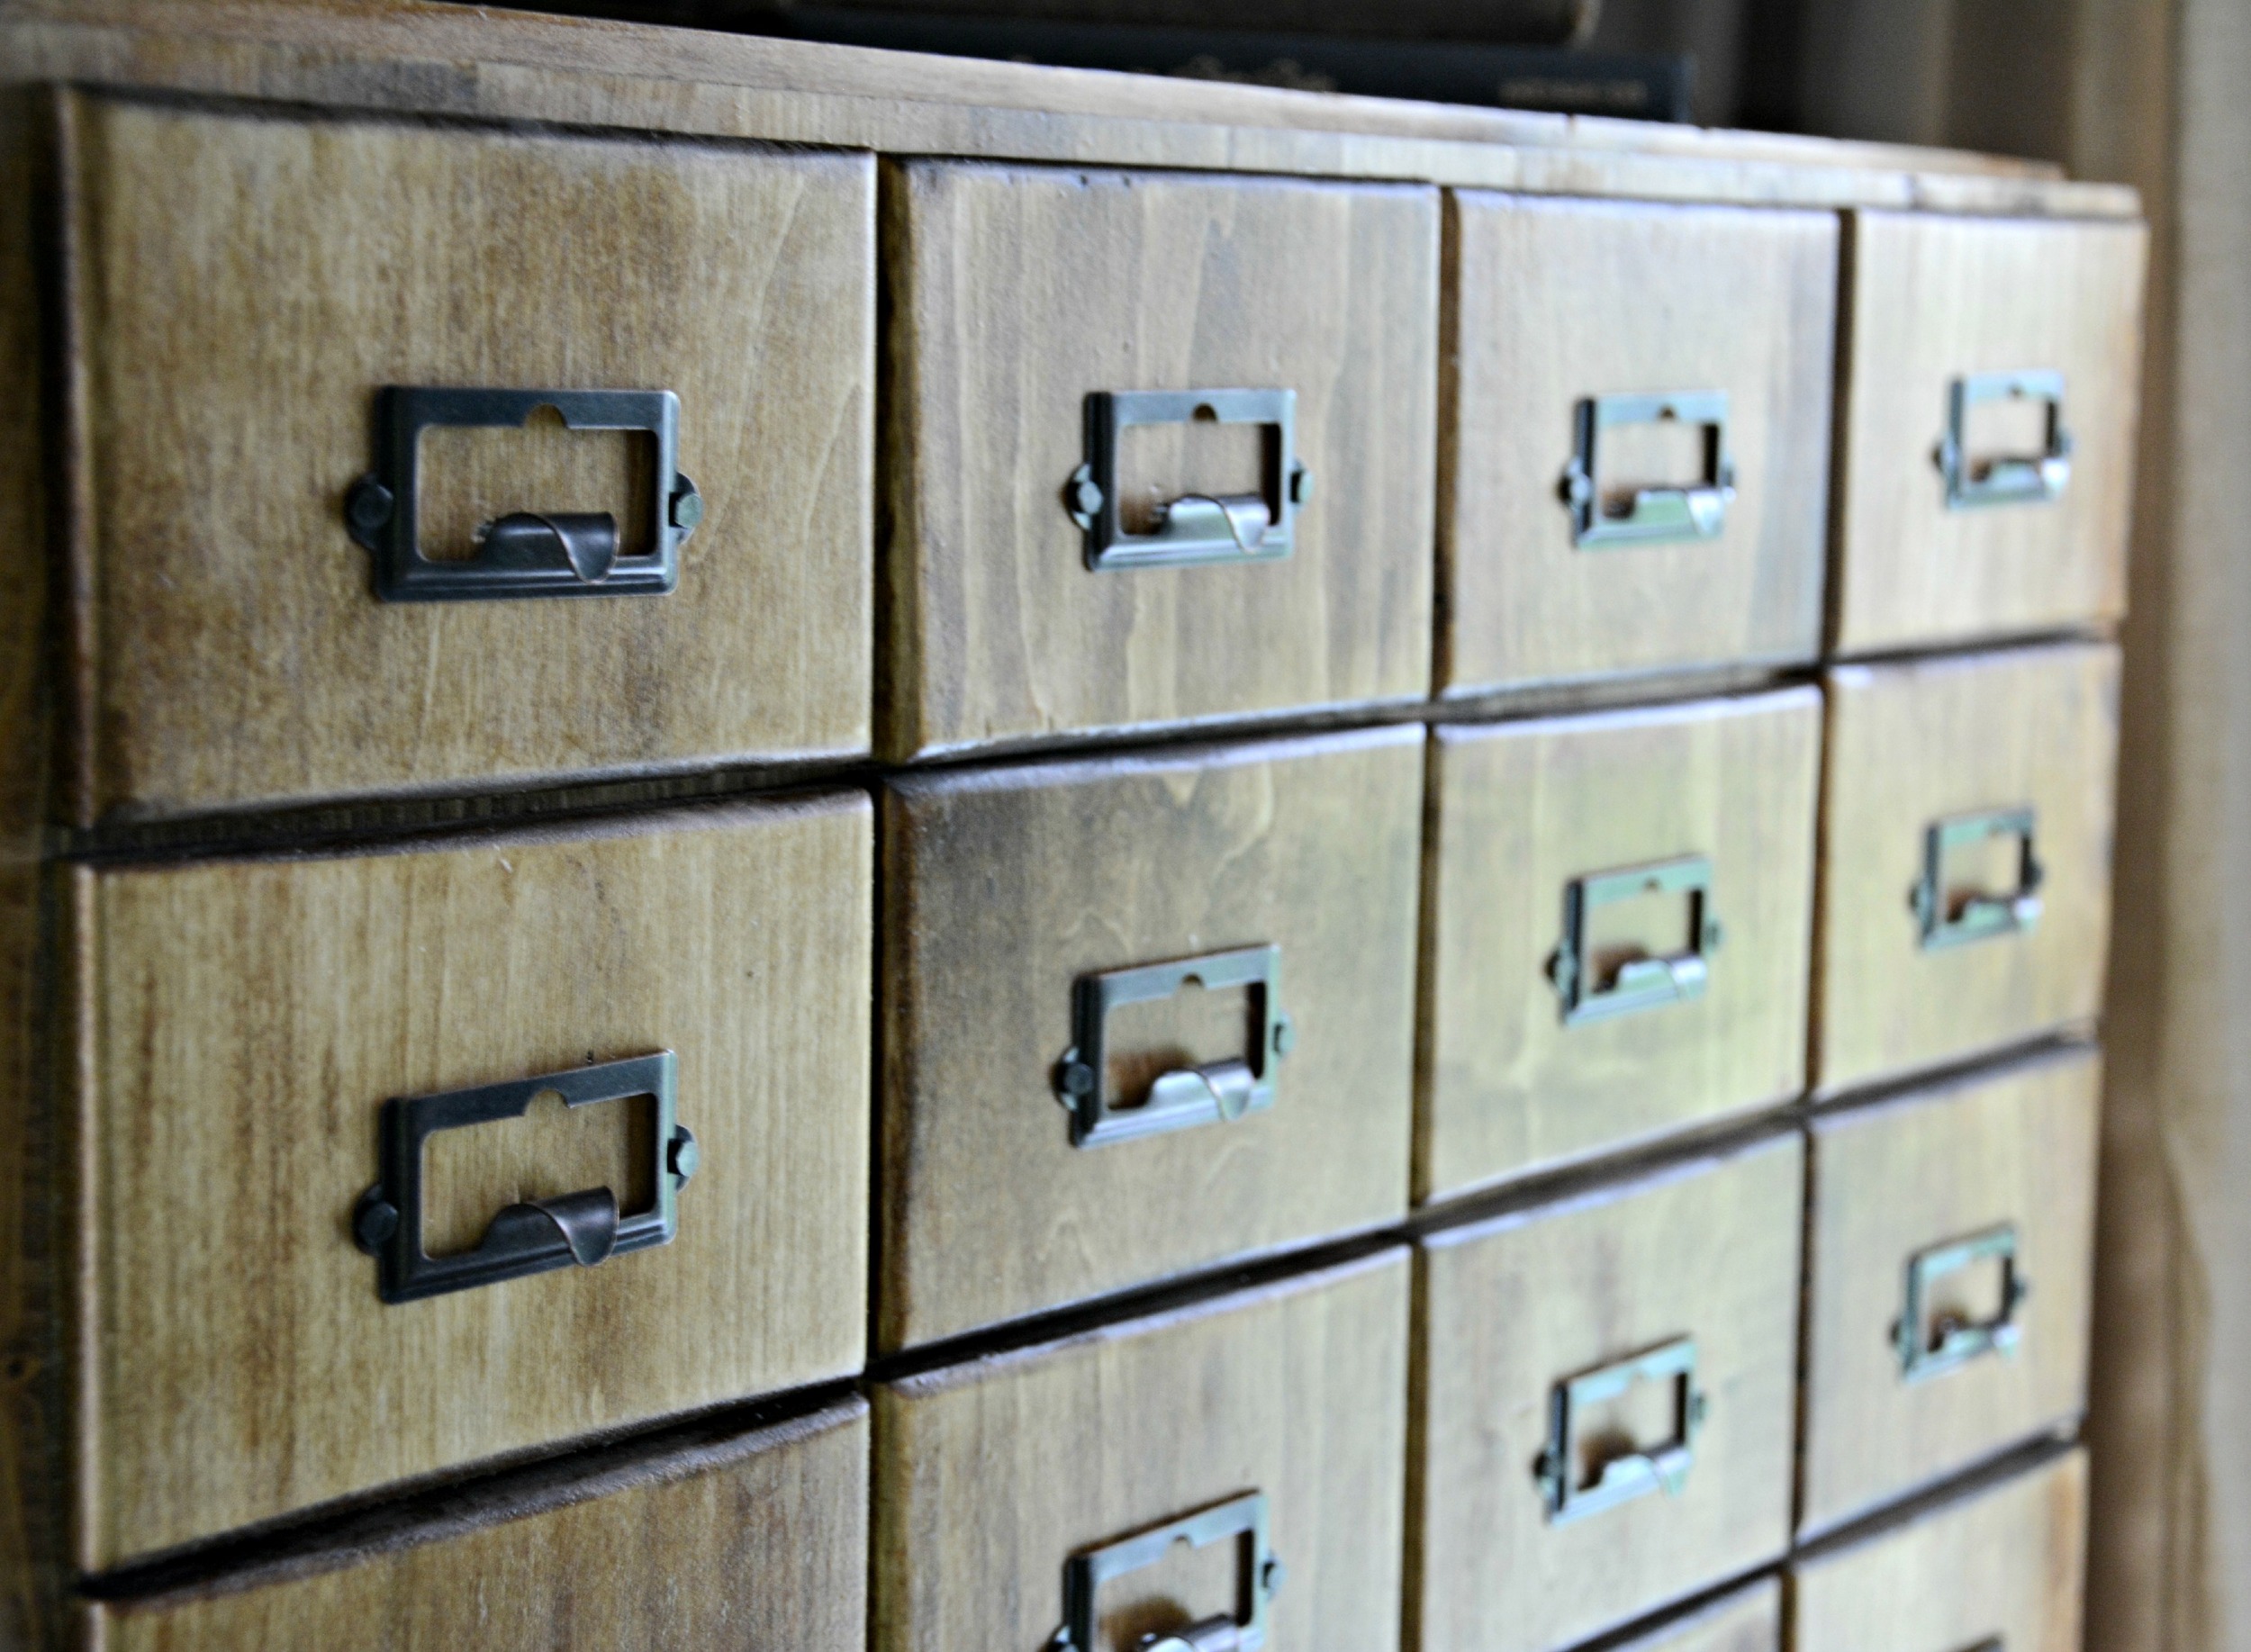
x=1525 y=807
x=1748 y=1622
x=1893 y=1181
x=1507 y=1309
x=1017 y=293
x=1912 y=744
x=2004 y=1564
x=251 y=1018
x=240 y=656
x=991 y=1475
x=1931 y=299
x=1003 y=887
x=760 y=1541
x=1551 y=301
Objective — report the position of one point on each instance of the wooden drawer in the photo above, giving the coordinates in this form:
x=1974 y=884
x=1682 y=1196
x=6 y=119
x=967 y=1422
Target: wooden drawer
x=1020 y=297
x=1550 y=836
x=1648 y=348
x=743 y=1539
x=249 y=1021
x=1750 y=1620
x=1683 y=1284
x=235 y=650
x=1990 y=311
x=1027 y=910
x=1965 y=1214
x=1943 y=776
x=1278 y=1414
x=2000 y=1567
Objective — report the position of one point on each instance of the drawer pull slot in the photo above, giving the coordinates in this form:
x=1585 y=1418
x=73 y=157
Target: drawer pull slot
x=1624 y=1476
x=573 y=1229
x=1194 y=529
x=1932 y=1344
x=2014 y=479
x=1947 y=920
x=1638 y=983
x=1215 y=1092
x=1260 y=1579
x=526 y=553
x=1696 y=511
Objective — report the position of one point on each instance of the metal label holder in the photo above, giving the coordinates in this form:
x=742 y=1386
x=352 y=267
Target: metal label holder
x=1697 y=510
x=1641 y=983
x=526 y=552
x=1979 y=917
x=1957 y=1342
x=2017 y=479
x=575 y=1228
x=1197 y=527
x=1215 y=1092
x=1260 y=1579
x=1661 y=1467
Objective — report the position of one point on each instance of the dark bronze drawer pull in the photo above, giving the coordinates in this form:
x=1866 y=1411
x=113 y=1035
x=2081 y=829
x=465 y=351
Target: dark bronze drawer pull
x=1195 y=527
x=1693 y=511
x=1261 y=1574
x=1932 y=1344
x=1638 y=983
x=1626 y=1476
x=1944 y=920
x=575 y=1228
x=526 y=552
x=2016 y=479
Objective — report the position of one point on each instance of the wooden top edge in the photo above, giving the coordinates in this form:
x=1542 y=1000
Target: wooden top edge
x=1970 y=656
x=1749 y=702
x=1041 y=772
x=1939 y=1088
x=421 y=57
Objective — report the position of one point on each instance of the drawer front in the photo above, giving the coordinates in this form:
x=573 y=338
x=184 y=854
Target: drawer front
x=1021 y=295
x=1939 y=542
x=1046 y=927
x=1279 y=1417
x=241 y=654
x=2002 y=1569
x=1952 y=1247
x=1748 y=1622
x=251 y=1019
x=1639 y=452
x=760 y=1539
x=1585 y=1325
x=1966 y=889
x=1622 y=916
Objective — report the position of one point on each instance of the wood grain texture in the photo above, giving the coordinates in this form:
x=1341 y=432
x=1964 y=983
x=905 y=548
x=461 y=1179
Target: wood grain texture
x=1002 y=887
x=1909 y=744
x=1550 y=301
x=1750 y=1620
x=1522 y=809
x=253 y=1015
x=1895 y=1180
x=1931 y=299
x=1017 y=292
x=991 y=1475
x=759 y=1541
x=1506 y=1309
x=2004 y=1564
x=239 y=656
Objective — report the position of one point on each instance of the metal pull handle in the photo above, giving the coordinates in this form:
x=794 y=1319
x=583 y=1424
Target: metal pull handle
x=1931 y=1344
x=1693 y=511
x=1628 y=1474
x=1260 y=1579
x=2014 y=479
x=574 y=1229
x=1217 y=1092
x=1944 y=919
x=1196 y=527
x=1638 y=983
x=526 y=552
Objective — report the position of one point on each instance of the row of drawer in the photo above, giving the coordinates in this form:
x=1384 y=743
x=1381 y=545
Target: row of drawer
x=1531 y=1432
x=1100 y=391
x=1138 y=1015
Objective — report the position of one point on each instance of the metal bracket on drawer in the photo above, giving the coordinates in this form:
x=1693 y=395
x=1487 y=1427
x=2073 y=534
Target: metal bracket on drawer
x=1640 y=983
x=1953 y=1342
x=1260 y=1579
x=1976 y=918
x=526 y=552
x=539 y=1234
x=2019 y=478
x=1215 y=1092
x=1662 y=1468
x=1697 y=510
x=1196 y=527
